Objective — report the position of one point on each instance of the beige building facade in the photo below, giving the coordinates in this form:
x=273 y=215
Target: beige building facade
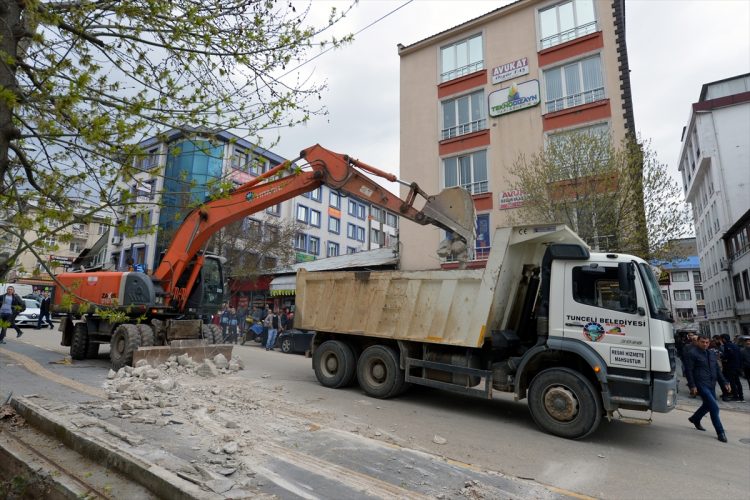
x=476 y=96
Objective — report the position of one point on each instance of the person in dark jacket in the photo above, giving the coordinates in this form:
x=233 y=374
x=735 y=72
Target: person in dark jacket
x=44 y=308
x=702 y=373
x=10 y=305
x=731 y=360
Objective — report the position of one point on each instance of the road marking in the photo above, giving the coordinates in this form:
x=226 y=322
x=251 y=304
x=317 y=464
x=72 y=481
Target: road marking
x=37 y=369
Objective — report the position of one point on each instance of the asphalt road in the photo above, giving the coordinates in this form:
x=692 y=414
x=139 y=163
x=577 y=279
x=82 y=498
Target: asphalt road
x=666 y=459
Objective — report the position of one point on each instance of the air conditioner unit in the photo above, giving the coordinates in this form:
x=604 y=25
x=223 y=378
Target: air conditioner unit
x=117 y=240
x=724 y=264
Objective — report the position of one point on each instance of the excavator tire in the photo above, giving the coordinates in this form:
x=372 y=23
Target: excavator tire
x=212 y=334
x=147 y=334
x=79 y=343
x=125 y=341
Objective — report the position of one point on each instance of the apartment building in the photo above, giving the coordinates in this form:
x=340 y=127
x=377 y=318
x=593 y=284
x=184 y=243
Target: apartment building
x=714 y=164
x=476 y=96
x=681 y=284
x=178 y=169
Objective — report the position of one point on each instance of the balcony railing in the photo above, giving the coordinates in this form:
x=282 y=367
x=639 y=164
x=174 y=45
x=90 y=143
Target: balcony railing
x=572 y=100
x=463 y=70
x=567 y=35
x=464 y=128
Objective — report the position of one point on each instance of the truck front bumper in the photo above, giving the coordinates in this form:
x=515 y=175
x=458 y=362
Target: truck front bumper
x=664 y=397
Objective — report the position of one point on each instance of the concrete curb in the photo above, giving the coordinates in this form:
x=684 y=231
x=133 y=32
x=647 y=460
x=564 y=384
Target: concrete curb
x=158 y=480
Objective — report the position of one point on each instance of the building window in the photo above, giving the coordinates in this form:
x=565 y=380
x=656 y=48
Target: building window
x=684 y=313
x=334 y=199
x=746 y=283
x=682 y=295
x=332 y=250
x=258 y=165
x=240 y=160
x=300 y=242
x=463 y=115
x=355 y=232
x=334 y=225
x=351 y=250
x=391 y=220
x=303 y=214
x=737 y=280
x=566 y=21
x=377 y=237
x=357 y=210
x=697 y=277
x=352 y=210
x=574 y=84
x=314 y=218
x=468 y=171
x=461 y=58
x=680 y=277
x=313 y=245
x=316 y=194
x=698 y=294
x=274 y=210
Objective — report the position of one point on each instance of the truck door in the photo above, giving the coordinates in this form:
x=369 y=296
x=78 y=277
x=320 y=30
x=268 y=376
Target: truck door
x=605 y=308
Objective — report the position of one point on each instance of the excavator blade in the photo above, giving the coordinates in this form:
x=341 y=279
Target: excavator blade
x=454 y=209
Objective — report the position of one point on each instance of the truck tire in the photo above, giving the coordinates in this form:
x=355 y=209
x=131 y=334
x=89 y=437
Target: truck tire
x=564 y=403
x=212 y=334
x=147 y=334
x=79 y=343
x=286 y=345
x=334 y=364
x=378 y=372
x=125 y=341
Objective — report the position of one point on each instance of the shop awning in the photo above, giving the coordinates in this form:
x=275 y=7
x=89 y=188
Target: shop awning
x=283 y=285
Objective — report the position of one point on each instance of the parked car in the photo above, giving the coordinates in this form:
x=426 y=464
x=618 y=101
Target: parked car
x=30 y=317
x=295 y=341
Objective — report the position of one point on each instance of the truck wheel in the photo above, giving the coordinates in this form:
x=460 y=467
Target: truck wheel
x=79 y=343
x=378 y=372
x=125 y=341
x=564 y=403
x=147 y=334
x=334 y=364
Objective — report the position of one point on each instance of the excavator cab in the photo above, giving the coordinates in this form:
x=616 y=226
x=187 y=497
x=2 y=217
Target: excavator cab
x=207 y=294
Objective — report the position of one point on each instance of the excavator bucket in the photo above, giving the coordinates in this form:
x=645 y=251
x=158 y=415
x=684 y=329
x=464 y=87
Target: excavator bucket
x=454 y=209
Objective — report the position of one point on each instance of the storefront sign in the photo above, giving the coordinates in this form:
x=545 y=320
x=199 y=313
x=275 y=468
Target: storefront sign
x=512 y=199
x=513 y=98
x=510 y=70
x=61 y=260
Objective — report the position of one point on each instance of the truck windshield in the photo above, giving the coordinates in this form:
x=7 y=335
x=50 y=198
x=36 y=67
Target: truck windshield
x=659 y=310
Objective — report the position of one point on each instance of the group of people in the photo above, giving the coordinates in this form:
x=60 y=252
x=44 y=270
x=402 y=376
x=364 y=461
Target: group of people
x=707 y=362
x=235 y=323
x=11 y=305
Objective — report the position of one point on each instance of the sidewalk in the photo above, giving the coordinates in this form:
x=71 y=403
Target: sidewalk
x=684 y=399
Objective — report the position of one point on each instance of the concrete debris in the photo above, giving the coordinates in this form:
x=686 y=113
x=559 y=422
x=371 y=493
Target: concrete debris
x=207 y=369
x=220 y=361
x=239 y=493
x=164 y=385
x=141 y=362
x=152 y=374
x=220 y=485
x=112 y=374
x=439 y=439
x=226 y=471
x=230 y=448
x=184 y=360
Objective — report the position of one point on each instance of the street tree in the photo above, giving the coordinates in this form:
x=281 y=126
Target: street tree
x=83 y=82
x=618 y=198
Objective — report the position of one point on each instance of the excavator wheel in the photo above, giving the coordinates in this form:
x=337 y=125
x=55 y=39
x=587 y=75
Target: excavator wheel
x=147 y=334
x=79 y=343
x=125 y=341
x=212 y=334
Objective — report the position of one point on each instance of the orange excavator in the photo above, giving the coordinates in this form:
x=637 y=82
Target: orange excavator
x=168 y=308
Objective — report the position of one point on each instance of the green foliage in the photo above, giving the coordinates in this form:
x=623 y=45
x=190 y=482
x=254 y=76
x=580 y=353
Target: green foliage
x=85 y=82
x=617 y=198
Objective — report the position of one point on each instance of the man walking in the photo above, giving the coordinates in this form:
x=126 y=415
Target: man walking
x=702 y=373
x=44 y=311
x=272 y=322
x=10 y=305
x=731 y=360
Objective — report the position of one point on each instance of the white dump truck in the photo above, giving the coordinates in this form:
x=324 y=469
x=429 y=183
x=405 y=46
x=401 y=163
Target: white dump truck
x=580 y=335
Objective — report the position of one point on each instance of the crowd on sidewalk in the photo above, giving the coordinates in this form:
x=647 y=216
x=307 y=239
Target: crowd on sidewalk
x=11 y=305
x=240 y=324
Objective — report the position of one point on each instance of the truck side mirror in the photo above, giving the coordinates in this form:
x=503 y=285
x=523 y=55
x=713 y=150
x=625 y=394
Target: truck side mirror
x=626 y=281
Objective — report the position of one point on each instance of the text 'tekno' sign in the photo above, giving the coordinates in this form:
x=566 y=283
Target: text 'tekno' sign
x=517 y=96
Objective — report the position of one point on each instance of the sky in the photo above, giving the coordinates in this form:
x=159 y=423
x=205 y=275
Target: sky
x=674 y=47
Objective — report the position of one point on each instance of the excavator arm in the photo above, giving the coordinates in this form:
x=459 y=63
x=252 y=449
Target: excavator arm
x=452 y=210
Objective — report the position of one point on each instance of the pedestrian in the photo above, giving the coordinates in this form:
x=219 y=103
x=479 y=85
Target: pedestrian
x=702 y=373
x=224 y=320
x=241 y=323
x=10 y=305
x=746 y=359
x=44 y=310
x=732 y=362
x=231 y=337
x=284 y=319
x=271 y=321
